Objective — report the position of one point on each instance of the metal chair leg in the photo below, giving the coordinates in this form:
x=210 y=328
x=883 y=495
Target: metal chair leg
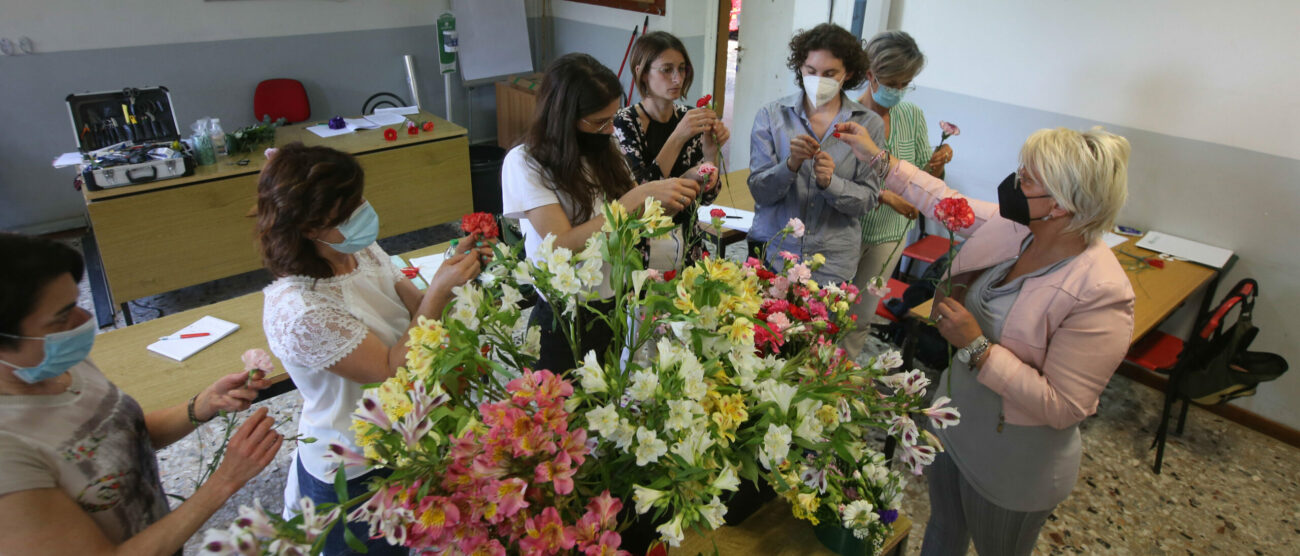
x=1163 y=429
x=1182 y=416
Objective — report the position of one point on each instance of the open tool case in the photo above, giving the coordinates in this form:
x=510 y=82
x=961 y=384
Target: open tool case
x=128 y=137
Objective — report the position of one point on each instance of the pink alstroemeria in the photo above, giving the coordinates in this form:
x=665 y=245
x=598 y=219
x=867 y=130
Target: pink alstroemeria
x=412 y=429
x=904 y=428
x=370 y=410
x=422 y=402
x=558 y=471
x=912 y=382
x=606 y=546
x=342 y=455
x=941 y=415
x=509 y=496
x=547 y=534
x=918 y=456
x=575 y=445
x=606 y=508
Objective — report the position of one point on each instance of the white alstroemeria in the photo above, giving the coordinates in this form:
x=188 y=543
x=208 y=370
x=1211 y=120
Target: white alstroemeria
x=942 y=416
x=776 y=446
x=807 y=406
x=522 y=273
x=858 y=514
x=649 y=448
x=219 y=542
x=591 y=274
x=645 y=498
x=889 y=360
x=696 y=442
x=681 y=414
x=931 y=440
x=653 y=216
x=904 y=428
x=591 y=249
x=314 y=524
x=692 y=375
x=603 y=420
x=566 y=281
x=532 y=346
x=644 y=384
x=714 y=512
x=671 y=532
x=465 y=305
x=555 y=257
x=727 y=479
x=371 y=410
x=918 y=456
x=257 y=521
x=670 y=353
x=912 y=382
x=780 y=393
x=810 y=428
x=875 y=473
x=708 y=318
x=623 y=434
x=510 y=297
x=571 y=404
x=681 y=329
x=591 y=374
x=638 y=280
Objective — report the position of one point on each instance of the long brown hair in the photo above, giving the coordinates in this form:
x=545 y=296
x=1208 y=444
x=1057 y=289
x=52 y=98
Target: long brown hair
x=302 y=189
x=576 y=85
x=649 y=47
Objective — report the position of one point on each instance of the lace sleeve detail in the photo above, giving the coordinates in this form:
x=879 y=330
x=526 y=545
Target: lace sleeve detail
x=310 y=328
x=384 y=261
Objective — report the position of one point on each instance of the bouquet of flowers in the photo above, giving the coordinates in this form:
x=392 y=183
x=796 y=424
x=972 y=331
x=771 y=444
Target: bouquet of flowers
x=698 y=391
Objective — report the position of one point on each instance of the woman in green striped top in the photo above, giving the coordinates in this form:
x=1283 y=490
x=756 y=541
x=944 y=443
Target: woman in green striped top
x=894 y=60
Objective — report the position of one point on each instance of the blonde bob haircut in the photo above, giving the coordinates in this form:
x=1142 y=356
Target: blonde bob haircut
x=1085 y=172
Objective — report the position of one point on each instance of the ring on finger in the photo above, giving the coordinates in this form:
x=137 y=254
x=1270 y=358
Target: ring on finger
x=937 y=319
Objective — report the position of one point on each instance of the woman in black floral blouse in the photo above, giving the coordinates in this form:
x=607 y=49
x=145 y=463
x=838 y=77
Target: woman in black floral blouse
x=662 y=139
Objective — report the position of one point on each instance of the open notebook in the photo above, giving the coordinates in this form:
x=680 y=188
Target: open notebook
x=182 y=349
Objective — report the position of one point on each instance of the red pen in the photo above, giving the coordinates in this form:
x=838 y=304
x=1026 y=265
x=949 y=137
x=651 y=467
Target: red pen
x=186 y=336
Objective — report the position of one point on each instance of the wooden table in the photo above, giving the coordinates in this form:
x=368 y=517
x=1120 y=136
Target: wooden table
x=158 y=382
x=774 y=530
x=161 y=236
x=1158 y=291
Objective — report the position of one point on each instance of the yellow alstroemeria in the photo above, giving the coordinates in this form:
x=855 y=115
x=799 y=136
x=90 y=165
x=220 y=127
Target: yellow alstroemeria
x=740 y=332
x=615 y=216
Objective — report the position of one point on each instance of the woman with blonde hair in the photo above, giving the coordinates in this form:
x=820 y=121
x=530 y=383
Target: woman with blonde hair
x=1042 y=313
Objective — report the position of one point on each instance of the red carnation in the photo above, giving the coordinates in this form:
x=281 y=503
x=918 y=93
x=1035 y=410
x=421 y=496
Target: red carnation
x=718 y=213
x=668 y=276
x=955 y=213
x=479 y=223
x=390 y=134
x=704 y=101
x=764 y=274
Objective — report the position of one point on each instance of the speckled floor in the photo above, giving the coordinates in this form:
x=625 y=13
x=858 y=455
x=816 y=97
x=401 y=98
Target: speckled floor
x=1225 y=488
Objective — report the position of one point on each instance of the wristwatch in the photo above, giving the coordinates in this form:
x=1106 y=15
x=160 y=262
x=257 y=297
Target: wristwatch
x=973 y=350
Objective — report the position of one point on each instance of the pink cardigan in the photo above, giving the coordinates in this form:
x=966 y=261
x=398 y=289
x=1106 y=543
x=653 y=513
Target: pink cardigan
x=1067 y=331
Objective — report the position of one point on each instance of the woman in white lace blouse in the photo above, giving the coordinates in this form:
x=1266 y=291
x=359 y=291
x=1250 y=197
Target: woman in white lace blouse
x=338 y=312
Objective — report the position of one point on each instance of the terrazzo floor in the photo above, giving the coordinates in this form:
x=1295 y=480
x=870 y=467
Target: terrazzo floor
x=1225 y=489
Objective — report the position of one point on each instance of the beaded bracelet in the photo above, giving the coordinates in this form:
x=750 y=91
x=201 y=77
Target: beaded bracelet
x=189 y=411
x=881 y=170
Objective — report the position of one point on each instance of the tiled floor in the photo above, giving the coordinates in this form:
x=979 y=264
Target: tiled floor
x=1225 y=490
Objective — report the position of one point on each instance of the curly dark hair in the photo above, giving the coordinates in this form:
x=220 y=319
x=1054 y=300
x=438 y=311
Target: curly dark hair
x=839 y=42
x=302 y=189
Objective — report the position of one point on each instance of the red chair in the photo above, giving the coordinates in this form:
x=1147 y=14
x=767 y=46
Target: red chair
x=928 y=248
x=281 y=98
x=1156 y=352
x=896 y=288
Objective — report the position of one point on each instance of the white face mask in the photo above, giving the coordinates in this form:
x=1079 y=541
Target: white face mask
x=820 y=90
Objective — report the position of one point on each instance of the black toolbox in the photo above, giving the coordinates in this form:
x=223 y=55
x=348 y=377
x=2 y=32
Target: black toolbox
x=128 y=136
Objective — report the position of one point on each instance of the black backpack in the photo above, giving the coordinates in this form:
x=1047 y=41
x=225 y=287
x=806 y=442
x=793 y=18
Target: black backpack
x=1218 y=366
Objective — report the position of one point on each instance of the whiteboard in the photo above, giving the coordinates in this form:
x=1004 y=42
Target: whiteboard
x=493 y=38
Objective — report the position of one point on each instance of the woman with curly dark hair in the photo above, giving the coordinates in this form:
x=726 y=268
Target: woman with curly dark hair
x=799 y=170
x=338 y=313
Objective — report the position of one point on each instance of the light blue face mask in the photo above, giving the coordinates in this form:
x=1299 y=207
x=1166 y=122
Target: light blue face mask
x=886 y=96
x=359 y=230
x=62 y=351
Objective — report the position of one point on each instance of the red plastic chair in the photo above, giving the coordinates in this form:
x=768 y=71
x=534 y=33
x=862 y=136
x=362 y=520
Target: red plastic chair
x=281 y=98
x=1157 y=352
x=896 y=288
x=928 y=248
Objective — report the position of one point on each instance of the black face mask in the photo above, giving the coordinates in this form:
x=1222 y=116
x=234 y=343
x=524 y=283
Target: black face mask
x=592 y=143
x=1012 y=202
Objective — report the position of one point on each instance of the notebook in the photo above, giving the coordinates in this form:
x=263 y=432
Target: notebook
x=181 y=350
x=428 y=265
x=1207 y=255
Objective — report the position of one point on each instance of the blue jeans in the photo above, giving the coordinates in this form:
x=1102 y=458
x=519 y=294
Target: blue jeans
x=321 y=493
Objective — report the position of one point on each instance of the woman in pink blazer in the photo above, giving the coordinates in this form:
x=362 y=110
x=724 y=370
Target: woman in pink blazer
x=1042 y=314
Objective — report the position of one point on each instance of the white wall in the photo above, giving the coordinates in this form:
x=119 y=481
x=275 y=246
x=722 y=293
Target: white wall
x=1223 y=72
x=59 y=25
x=1204 y=90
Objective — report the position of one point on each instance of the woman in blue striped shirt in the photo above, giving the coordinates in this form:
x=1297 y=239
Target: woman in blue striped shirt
x=894 y=60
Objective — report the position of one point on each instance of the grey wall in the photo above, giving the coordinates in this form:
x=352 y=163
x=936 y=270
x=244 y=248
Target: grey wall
x=339 y=70
x=1235 y=198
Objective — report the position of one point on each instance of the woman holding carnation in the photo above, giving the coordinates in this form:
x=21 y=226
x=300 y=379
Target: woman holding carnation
x=1042 y=313
x=77 y=467
x=894 y=61
x=799 y=171
x=338 y=314
x=558 y=179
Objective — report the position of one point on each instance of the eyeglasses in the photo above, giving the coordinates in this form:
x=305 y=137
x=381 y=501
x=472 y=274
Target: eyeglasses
x=904 y=89
x=600 y=128
x=669 y=71
x=1019 y=188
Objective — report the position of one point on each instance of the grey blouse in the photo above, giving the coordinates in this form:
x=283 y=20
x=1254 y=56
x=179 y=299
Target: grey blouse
x=1020 y=468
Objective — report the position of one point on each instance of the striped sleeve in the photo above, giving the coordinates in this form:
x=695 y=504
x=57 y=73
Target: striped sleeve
x=908 y=140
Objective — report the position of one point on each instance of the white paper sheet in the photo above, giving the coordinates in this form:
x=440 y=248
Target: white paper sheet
x=181 y=350
x=1207 y=255
x=403 y=110
x=428 y=264
x=400 y=264
x=737 y=219
x=325 y=131
x=379 y=119
x=360 y=123
x=1113 y=239
x=67 y=159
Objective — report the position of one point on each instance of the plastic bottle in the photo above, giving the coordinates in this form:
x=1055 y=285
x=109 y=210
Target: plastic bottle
x=218 y=137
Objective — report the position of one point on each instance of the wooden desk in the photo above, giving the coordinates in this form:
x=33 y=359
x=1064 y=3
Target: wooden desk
x=157 y=382
x=1158 y=291
x=164 y=235
x=774 y=530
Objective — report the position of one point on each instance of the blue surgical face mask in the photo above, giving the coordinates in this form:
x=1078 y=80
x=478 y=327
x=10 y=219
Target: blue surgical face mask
x=886 y=96
x=62 y=351
x=359 y=230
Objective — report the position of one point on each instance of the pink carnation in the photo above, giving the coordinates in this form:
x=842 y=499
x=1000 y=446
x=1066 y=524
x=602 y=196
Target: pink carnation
x=949 y=129
x=796 y=225
x=707 y=169
x=256 y=359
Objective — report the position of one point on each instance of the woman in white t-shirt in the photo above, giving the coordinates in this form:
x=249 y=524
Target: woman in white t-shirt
x=556 y=181
x=338 y=313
